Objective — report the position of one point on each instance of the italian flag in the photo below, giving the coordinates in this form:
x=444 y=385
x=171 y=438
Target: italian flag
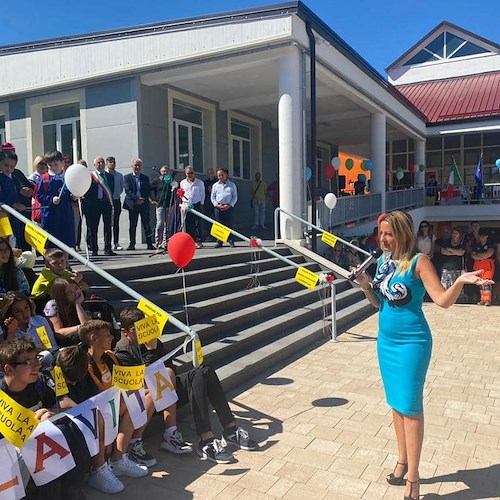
x=453 y=180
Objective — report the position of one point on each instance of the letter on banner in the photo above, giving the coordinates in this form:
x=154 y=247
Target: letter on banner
x=136 y=405
x=128 y=378
x=16 y=422
x=11 y=481
x=46 y=454
x=160 y=385
x=108 y=403
x=86 y=418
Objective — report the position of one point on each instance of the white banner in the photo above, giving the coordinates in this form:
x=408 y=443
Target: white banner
x=136 y=406
x=108 y=403
x=11 y=482
x=160 y=385
x=46 y=454
x=86 y=418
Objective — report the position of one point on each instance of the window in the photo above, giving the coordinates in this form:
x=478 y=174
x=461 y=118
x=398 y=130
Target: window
x=188 y=136
x=2 y=130
x=61 y=129
x=445 y=46
x=240 y=138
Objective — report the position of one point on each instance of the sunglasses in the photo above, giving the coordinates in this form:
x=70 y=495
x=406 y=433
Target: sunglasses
x=30 y=363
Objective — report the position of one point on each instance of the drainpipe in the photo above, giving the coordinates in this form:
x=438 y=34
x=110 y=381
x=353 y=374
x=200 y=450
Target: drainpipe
x=312 y=136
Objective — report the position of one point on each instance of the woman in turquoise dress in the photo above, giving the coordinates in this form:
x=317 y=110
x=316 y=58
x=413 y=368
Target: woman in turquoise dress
x=404 y=342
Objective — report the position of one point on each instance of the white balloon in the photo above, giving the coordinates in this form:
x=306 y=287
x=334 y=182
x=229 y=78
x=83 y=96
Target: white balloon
x=336 y=162
x=399 y=175
x=330 y=200
x=77 y=179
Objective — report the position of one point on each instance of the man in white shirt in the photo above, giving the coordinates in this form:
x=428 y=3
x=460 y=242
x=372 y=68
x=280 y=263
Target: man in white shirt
x=194 y=194
x=224 y=197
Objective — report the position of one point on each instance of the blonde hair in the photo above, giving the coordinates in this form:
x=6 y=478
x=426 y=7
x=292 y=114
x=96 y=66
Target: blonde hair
x=406 y=245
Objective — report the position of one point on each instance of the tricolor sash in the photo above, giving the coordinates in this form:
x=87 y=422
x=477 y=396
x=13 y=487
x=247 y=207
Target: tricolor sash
x=101 y=181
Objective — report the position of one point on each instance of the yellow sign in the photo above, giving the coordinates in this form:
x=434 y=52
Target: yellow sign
x=306 y=278
x=149 y=309
x=16 y=422
x=199 y=351
x=36 y=237
x=129 y=378
x=5 y=227
x=59 y=380
x=147 y=329
x=329 y=239
x=44 y=337
x=220 y=232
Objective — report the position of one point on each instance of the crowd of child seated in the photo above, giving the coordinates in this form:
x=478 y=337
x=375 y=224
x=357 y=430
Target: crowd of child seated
x=47 y=325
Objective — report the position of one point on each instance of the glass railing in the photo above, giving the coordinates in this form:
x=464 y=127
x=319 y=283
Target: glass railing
x=404 y=199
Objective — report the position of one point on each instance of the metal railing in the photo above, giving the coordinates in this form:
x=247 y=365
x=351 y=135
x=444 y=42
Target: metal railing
x=278 y=256
x=108 y=277
x=350 y=209
x=404 y=198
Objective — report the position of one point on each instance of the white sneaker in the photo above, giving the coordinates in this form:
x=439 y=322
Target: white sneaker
x=117 y=247
x=176 y=444
x=128 y=468
x=104 y=480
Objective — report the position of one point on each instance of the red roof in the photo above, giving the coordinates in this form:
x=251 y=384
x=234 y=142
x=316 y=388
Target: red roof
x=453 y=99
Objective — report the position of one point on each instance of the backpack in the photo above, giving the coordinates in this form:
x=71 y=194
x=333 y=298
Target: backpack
x=101 y=309
x=36 y=213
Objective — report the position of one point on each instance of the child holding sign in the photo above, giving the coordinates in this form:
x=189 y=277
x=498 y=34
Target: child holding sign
x=33 y=390
x=20 y=320
x=199 y=387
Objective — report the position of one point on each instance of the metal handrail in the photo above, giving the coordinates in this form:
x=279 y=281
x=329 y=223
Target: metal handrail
x=129 y=291
x=320 y=229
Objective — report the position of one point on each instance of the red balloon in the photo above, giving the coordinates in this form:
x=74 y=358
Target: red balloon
x=181 y=249
x=329 y=171
x=411 y=168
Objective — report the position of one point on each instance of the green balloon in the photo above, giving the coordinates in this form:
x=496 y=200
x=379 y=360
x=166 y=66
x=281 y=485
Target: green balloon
x=399 y=169
x=349 y=163
x=363 y=165
x=421 y=167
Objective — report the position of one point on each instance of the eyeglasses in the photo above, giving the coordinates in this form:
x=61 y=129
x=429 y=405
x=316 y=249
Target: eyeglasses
x=30 y=363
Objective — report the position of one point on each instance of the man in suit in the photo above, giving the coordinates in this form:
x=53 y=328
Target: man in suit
x=99 y=202
x=137 y=191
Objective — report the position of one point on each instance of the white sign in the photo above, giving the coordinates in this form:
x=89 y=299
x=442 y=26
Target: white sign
x=86 y=418
x=136 y=406
x=11 y=482
x=160 y=385
x=108 y=403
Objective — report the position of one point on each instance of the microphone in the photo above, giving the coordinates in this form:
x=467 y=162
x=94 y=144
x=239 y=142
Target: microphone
x=366 y=264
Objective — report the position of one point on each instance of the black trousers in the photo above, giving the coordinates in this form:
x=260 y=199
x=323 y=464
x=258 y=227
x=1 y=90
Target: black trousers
x=95 y=211
x=225 y=217
x=117 y=210
x=199 y=387
x=143 y=211
x=194 y=225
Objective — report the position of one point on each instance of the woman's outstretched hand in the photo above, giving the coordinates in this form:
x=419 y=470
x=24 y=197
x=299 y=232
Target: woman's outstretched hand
x=474 y=278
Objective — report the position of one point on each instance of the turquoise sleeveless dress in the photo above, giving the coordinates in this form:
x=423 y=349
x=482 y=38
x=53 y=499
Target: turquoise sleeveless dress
x=404 y=342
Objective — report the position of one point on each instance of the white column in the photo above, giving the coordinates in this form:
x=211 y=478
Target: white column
x=378 y=139
x=291 y=168
x=419 y=160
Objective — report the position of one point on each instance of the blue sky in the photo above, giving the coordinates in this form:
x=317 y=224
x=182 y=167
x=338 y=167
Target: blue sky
x=380 y=31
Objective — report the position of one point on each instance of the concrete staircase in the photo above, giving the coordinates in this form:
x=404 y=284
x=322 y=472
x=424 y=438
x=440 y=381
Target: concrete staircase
x=244 y=329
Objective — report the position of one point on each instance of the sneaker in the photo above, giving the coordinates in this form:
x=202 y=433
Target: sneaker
x=215 y=452
x=218 y=244
x=199 y=245
x=481 y=303
x=138 y=454
x=104 y=480
x=254 y=227
x=231 y=244
x=241 y=439
x=176 y=444
x=128 y=468
x=117 y=247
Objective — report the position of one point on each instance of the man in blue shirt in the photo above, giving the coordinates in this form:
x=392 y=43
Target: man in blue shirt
x=224 y=197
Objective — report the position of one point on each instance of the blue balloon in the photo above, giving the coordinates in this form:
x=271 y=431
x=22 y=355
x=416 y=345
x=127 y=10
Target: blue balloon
x=497 y=163
x=362 y=177
x=368 y=164
x=309 y=173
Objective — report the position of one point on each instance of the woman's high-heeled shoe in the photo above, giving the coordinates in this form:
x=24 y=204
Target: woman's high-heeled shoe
x=397 y=480
x=417 y=482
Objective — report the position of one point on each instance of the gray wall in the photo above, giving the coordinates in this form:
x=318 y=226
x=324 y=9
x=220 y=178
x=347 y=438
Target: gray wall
x=18 y=135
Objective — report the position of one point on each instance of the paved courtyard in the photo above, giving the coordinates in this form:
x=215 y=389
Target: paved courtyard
x=325 y=431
